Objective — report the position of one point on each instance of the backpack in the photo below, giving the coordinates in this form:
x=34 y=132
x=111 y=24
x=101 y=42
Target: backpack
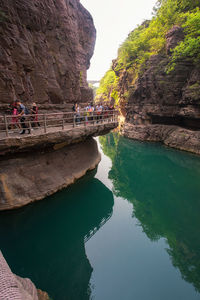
x=26 y=111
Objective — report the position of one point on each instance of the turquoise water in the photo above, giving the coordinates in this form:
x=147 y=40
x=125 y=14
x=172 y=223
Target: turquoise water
x=128 y=230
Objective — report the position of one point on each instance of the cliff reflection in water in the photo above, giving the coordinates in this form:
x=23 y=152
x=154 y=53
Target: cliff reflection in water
x=45 y=241
x=163 y=186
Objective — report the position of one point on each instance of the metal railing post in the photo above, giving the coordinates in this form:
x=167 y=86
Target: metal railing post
x=29 y=123
x=45 y=123
x=74 y=120
x=6 y=125
x=63 y=124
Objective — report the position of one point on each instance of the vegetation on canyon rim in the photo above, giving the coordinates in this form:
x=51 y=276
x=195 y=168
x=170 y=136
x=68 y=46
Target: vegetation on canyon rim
x=150 y=39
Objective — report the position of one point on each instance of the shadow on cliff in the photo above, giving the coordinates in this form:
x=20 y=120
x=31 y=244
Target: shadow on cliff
x=45 y=241
x=163 y=186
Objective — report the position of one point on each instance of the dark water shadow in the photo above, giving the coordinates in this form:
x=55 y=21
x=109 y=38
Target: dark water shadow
x=45 y=241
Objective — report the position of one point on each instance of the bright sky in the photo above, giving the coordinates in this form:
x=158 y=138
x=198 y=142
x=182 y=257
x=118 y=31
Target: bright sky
x=113 y=19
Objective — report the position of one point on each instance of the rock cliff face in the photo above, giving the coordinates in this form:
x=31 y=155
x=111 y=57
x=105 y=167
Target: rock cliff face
x=15 y=287
x=164 y=100
x=45 y=50
x=33 y=176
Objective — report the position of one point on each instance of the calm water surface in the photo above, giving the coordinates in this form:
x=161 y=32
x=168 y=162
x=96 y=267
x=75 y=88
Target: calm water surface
x=126 y=231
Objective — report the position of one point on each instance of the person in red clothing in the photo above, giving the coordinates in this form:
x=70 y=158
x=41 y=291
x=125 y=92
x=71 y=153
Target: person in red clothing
x=14 y=122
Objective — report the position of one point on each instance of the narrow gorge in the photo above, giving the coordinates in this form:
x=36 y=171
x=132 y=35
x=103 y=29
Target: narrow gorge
x=90 y=206
x=155 y=79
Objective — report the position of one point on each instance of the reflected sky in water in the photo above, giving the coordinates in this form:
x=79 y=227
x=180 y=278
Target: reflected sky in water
x=149 y=249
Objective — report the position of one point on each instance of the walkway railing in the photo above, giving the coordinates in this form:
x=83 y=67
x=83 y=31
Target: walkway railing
x=10 y=124
x=93 y=231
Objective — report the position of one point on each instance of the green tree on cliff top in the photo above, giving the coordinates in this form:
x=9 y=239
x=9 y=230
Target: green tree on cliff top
x=149 y=39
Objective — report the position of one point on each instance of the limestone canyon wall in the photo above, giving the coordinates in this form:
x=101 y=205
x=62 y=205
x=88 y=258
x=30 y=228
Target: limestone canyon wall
x=170 y=99
x=45 y=51
x=164 y=107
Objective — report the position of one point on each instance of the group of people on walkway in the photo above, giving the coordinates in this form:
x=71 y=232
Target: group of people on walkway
x=21 y=116
x=91 y=112
x=25 y=119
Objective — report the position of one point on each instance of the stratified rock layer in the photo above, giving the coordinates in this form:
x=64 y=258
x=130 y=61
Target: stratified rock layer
x=33 y=176
x=172 y=136
x=45 y=50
